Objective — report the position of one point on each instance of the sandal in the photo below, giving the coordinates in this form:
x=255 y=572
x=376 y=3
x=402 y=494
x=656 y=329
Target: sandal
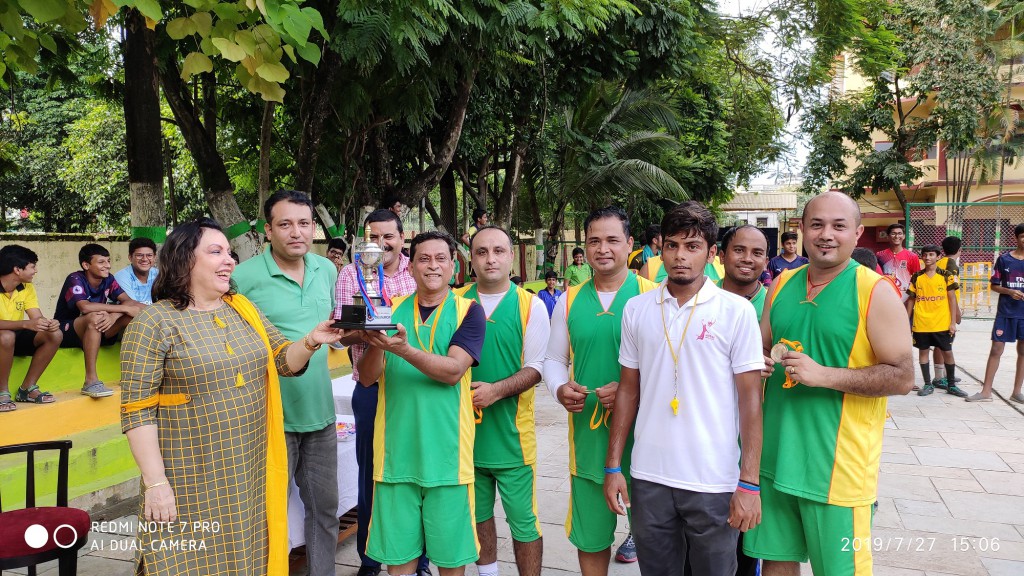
x=6 y=404
x=41 y=398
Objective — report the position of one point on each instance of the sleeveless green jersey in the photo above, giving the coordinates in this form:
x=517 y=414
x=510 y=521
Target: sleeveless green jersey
x=424 y=428
x=594 y=336
x=757 y=301
x=819 y=443
x=506 y=436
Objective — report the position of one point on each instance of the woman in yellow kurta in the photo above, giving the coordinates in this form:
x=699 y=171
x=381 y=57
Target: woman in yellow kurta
x=201 y=407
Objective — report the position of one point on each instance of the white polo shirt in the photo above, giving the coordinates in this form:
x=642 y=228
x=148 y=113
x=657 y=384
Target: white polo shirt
x=697 y=449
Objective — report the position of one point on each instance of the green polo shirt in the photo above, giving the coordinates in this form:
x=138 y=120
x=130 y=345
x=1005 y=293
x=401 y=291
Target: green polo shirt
x=295 y=310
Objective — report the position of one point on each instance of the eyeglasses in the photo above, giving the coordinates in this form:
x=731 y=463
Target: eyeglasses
x=144 y=256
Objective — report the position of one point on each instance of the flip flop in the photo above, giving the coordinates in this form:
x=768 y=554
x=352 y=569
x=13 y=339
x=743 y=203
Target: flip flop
x=41 y=398
x=1018 y=398
x=6 y=404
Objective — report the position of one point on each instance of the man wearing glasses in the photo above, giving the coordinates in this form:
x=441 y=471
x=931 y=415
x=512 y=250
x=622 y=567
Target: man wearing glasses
x=137 y=278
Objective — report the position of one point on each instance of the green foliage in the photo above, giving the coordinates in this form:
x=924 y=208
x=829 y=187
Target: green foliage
x=94 y=165
x=255 y=35
x=933 y=80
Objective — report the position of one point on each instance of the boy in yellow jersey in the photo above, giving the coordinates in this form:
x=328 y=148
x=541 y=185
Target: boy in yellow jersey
x=824 y=404
x=505 y=451
x=585 y=334
x=424 y=432
x=931 y=305
x=24 y=331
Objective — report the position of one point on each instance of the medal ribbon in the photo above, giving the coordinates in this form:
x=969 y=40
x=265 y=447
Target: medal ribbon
x=433 y=327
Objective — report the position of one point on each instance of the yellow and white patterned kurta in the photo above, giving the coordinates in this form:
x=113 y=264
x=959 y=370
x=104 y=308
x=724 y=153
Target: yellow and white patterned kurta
x=209 y=370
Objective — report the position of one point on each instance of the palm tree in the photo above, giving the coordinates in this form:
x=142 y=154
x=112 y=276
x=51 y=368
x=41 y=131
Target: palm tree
x=608 y=148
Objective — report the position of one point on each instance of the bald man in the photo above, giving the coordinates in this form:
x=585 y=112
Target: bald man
x=824 y=409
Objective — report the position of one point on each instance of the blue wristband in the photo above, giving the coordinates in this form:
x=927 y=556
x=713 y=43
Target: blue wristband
x=748 y=486
x=616 y=470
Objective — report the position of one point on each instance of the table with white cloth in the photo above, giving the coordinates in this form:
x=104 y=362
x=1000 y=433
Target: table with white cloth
x=347 y=469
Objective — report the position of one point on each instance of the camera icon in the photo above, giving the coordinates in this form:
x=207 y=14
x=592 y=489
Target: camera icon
x=36 y=536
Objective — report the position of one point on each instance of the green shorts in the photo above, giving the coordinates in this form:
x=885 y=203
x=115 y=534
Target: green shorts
x=407 y=516
x=836 y=539
x=518 y=489
x=590 y=525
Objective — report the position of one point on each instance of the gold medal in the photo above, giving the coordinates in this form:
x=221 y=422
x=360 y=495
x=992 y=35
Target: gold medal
x=778 y=351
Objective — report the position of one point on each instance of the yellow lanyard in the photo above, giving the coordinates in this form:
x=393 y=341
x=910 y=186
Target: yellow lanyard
x=676 y=353
x=433 y=327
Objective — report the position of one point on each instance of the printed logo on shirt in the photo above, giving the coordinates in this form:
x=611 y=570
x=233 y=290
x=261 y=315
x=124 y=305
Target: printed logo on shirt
x=19 y=305
x=77 y=290
x=704 y=335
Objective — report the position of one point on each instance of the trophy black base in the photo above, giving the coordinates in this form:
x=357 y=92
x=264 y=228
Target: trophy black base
x=363 y=326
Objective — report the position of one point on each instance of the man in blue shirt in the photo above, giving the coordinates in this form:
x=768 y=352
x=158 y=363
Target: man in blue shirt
x=1007 y=281
x=137 y=278
x=92 y=309
x=550 y=294
x=789 y=259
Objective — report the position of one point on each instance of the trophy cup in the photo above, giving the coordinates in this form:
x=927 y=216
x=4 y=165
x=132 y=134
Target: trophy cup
x=374 y=313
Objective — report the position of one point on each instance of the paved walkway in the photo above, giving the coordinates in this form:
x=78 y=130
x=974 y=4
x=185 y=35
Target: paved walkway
x=951 y=491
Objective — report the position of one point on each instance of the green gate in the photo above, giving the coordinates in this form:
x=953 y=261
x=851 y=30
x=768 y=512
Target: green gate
x=986 y=229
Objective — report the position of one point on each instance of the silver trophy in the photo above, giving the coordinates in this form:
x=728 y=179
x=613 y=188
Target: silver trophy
x=372 y=309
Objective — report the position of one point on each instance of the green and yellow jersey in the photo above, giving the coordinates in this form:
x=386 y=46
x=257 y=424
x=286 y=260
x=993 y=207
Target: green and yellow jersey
x=594 y=337
x=505 y=432
x=424 y=429
x=819 y=443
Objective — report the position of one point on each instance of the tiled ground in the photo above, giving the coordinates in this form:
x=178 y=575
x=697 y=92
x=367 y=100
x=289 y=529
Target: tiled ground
x=951 y=488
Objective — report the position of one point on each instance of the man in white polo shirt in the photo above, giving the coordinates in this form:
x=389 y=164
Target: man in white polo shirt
x=691 y=361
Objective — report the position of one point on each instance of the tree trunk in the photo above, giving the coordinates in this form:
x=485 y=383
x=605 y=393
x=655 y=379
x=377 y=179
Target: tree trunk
x=505 y=204
x=142 y=130
x=266 y=145
x=554 y=233
x=437 y=163
x=449 y=203
x=316 y=106
x=213 y=176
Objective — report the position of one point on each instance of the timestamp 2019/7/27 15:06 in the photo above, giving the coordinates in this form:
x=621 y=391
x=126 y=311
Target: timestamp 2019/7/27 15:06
x=919 y=544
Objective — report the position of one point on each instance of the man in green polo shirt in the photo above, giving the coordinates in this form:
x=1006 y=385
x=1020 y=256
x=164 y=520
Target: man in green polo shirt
x=505 y=450
x=295 y=290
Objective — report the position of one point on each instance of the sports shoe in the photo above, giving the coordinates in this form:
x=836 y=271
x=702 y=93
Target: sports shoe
x=977 y=397
x=627 y=552
x=956 y=391
x=928 y=389
x=97 y=390
x=939 y=383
